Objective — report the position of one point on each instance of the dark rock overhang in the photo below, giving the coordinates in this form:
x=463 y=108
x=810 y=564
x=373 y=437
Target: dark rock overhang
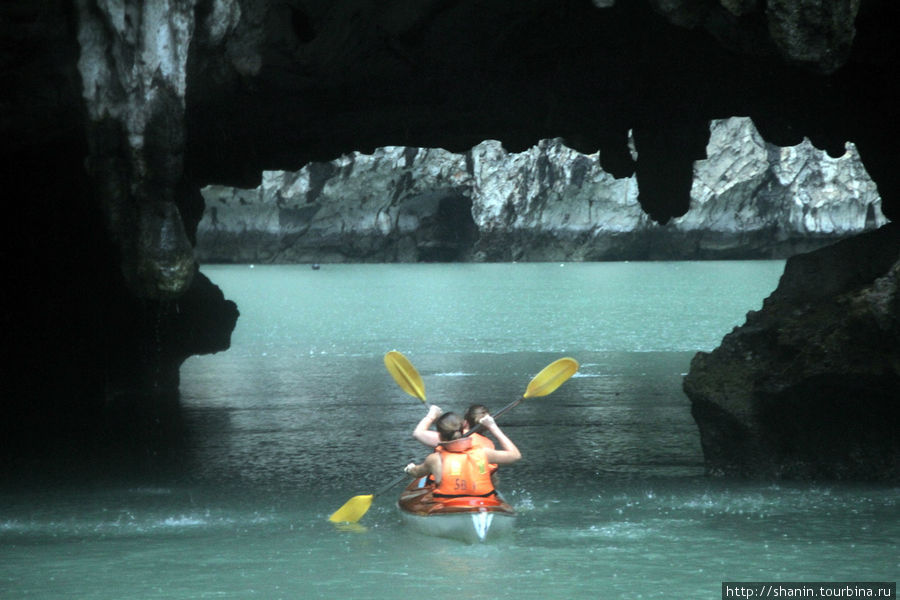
x=158 y=100
x=351 y=75
x=112 y=118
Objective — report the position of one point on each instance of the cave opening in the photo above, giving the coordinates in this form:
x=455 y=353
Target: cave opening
x=453 y=231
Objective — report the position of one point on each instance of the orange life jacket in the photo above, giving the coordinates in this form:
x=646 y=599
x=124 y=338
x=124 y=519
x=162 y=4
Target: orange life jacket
x=483 y=442
x=464 y=471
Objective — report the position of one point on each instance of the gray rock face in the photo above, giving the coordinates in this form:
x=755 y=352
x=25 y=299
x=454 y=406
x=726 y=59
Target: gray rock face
x=807 y=387
x=749 y=199
x=759 y=200
x=133 y=65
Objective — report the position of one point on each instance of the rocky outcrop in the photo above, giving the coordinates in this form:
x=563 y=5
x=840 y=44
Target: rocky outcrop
x=752 y=199
x=807 y=387
x=133 y=67
x=749 y=200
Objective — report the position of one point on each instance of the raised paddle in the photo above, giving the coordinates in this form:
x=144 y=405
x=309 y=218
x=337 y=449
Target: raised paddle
x=544 y=383
x=551 y=377
x=405 y=374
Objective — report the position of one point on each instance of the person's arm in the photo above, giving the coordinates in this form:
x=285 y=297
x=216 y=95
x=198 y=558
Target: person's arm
x=432 y=465
x=508 y=453
x=423 y=433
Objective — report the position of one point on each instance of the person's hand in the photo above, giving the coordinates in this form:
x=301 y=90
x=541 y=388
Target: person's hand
x=487 y=421
x=408 y=468
x=434 y=412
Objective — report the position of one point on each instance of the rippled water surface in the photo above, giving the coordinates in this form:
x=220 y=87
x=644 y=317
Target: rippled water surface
x=300 y=415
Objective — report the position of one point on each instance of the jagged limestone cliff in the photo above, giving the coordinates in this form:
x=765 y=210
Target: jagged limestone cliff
x=749 y=199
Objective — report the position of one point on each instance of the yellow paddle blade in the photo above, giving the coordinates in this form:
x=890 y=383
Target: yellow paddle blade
x=352 y=510
x=405 y=374
x=551 y=377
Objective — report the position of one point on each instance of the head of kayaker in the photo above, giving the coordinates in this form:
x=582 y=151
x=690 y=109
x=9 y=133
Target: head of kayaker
x=430 y=437
x=474 y=414
x=450 y=427
x=460 y=468
x=472 y=418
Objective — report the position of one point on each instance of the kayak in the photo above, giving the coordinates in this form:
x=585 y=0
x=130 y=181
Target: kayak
x=468 y=518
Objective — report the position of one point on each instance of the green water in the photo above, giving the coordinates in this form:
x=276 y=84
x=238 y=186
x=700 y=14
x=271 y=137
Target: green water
x=300 y=415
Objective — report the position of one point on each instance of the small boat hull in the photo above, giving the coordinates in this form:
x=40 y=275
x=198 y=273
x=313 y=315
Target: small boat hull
x=469 y=519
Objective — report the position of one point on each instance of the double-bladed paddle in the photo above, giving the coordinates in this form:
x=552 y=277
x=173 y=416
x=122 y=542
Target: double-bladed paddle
x=544 y=383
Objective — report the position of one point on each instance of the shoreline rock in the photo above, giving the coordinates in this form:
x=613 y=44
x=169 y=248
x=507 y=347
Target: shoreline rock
x=807 y=387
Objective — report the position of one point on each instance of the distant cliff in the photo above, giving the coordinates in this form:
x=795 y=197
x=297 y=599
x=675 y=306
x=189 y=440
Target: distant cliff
x=749 y=199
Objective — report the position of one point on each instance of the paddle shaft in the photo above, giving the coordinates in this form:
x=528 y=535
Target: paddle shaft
x=397 y=481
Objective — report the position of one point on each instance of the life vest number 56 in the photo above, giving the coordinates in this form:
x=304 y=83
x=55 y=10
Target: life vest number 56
x=460 y=484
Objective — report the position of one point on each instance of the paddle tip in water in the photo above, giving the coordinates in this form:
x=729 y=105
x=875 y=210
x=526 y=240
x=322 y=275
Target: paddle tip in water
x=352 y=510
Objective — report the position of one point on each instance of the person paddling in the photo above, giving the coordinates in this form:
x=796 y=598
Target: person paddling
x=459 y=467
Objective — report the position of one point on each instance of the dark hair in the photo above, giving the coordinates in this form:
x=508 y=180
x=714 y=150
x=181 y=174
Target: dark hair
x=474 y=414
x=449 y=426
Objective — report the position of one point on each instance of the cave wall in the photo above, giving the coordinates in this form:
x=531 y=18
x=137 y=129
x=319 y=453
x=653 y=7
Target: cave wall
x=116 y=113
